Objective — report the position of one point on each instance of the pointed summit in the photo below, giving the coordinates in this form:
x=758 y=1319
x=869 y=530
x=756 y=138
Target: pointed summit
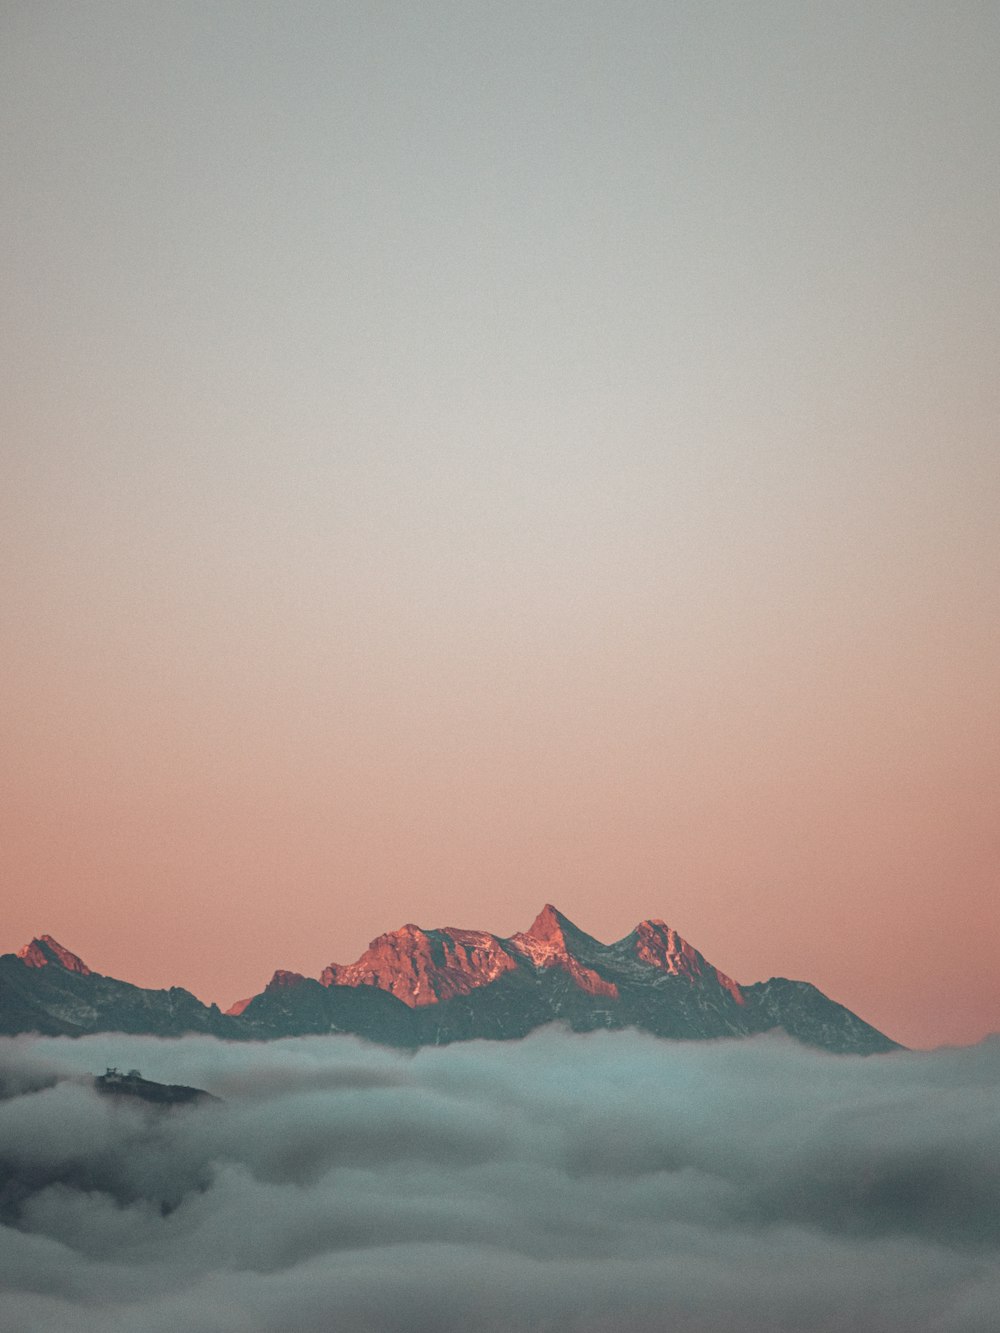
x=655 y=943
x=553 y=941
x=44 y=951
x=549 y=924
x=551 y=929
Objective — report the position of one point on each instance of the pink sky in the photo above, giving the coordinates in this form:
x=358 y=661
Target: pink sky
x=452 y=466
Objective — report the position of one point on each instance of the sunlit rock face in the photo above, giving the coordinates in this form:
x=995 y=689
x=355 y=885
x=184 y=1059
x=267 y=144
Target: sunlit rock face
x=416 y=987
x=424 y=967
x=464 y=985
x=659 y=946
x=546 y=944
x=44 y=951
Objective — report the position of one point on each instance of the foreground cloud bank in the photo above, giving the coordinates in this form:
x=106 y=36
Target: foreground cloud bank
x=585 y=1183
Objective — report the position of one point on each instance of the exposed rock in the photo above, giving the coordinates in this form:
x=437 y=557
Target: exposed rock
x=545 y=943
x=44 y=950
x=424 y=967
x=658 y=945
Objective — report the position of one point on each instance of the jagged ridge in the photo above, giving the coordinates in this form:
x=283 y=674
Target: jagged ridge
x=415 y=987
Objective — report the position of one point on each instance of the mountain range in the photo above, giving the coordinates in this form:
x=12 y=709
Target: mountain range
x=415 y=987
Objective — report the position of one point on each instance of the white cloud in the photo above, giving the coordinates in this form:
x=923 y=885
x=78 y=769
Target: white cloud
x=597 y=1183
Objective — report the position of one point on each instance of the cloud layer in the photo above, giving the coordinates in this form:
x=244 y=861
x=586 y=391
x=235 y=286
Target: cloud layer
x=589 y=1184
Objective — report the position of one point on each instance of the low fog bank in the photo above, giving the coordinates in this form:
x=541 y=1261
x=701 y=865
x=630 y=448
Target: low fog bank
x=585 y=1183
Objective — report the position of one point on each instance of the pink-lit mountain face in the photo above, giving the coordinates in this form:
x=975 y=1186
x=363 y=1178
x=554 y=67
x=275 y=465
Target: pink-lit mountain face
x=44 y=950
x=423 y=967
x=417 y=987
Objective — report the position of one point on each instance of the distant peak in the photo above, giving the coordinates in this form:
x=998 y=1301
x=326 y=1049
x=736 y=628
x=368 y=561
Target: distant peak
x=422 y=967
x=656 y=941
x=284 y=980
x=660 y=946
x=548 y=924
x=553 y=941
x=44 y=951
x=656 y=927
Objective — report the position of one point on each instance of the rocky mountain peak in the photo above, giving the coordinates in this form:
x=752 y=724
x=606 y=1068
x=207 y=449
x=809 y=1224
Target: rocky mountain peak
x=44 y=951
x=553 y=941
x=283 y=980
x=656 y=943
x=660 y=946
x=422 y=967
x=549 y=924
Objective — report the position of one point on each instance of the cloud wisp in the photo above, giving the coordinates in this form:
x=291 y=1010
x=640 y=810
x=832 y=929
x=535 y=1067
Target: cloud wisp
x=585 y=1183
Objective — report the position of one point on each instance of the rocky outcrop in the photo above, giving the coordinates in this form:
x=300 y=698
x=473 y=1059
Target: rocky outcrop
x=659 y=946
x=113 y=1083
x=424 y=967
x=546 y=945
x=44 y=950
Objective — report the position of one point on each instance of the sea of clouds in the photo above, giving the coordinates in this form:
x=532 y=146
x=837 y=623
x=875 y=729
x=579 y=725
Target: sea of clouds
x=610 y=1183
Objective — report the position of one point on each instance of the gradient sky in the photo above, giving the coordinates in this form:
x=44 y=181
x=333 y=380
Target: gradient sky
x=462 y=455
